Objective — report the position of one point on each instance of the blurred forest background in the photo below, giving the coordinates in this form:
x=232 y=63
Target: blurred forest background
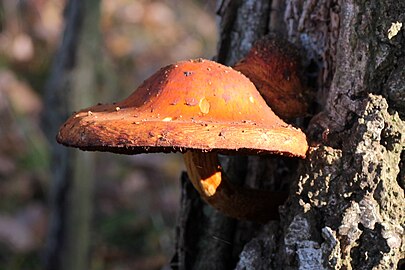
x=134 y=199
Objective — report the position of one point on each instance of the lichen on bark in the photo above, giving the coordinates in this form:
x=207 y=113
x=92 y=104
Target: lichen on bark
x=353 y=195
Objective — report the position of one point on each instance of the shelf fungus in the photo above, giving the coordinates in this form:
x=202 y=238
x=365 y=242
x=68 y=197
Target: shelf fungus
x=200 y=108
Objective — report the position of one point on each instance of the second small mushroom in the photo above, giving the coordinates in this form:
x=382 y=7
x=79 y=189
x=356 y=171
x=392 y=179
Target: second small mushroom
x=274 y=66
x=200 y=108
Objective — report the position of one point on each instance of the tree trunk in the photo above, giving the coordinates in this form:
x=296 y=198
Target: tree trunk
x=346 y=203
x=72 y=85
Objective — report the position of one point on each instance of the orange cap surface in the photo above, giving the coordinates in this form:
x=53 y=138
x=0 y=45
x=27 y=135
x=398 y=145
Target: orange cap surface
x=196 y=104
x=273 y=65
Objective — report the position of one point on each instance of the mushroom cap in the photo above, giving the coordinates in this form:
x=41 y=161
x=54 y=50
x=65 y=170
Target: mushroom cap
x=274 y=66
x=190 y=105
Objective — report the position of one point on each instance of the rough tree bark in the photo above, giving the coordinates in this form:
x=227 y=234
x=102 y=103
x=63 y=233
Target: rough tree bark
x=346 y=204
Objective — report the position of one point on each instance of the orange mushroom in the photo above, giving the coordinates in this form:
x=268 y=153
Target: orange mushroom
x=200 y=108
x=274 y=66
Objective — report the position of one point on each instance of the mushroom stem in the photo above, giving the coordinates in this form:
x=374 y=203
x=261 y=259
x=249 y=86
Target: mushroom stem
x=208 y=178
